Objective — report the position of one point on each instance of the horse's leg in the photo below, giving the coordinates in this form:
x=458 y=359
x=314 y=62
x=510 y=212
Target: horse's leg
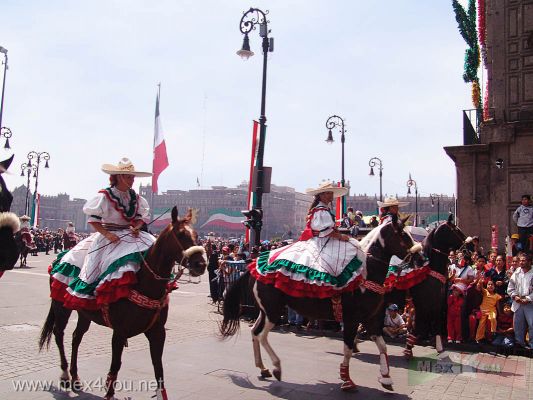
x=409 y=345
x=62 y=315
x=117 y=346
x=384 y=369
x=256 y=329
x=156 y=336
x=262 y=334
x=263 y=339
x=81 y=327
x=349 y=333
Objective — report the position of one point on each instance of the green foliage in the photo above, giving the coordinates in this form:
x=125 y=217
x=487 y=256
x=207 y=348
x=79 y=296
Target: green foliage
x=468 y=29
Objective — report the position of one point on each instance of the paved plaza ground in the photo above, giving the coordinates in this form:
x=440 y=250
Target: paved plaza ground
x=200 y=366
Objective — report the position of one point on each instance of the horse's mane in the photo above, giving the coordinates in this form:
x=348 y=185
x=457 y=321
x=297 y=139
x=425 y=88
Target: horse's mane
x=427 y=243
x=9 y=219
x=372 y=237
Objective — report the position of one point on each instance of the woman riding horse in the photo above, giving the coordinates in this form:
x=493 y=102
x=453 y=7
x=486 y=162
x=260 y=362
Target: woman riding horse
x=99 y=270
x=309 y=287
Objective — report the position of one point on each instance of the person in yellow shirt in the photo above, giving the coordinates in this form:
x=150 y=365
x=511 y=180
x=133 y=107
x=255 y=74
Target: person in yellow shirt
x=487 y=308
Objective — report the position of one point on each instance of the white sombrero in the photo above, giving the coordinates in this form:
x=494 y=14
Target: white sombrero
x=124 y=167
x=328 y=187
x=24 y=218
x=392 y=201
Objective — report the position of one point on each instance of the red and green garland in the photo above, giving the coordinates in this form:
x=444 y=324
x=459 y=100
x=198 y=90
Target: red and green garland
x=467 y=28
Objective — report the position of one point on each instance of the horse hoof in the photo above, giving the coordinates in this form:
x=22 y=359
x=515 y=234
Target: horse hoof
x=76 y=384
x=388 y=387
x=277 y=374
x=348 y=386
x=64 y=384
x=265 y=373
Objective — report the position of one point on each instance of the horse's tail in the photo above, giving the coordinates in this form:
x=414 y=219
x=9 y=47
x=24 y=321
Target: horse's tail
x=232 y=305
x=48 y=328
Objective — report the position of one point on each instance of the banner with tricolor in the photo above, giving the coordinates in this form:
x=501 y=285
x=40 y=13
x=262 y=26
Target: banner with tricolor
x=160 y=150
x=253 y=161
x=224 y=219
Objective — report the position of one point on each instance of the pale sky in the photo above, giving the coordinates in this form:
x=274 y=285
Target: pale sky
x=83 y=76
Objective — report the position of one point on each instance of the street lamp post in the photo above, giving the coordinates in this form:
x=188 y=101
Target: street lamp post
x=37 y=157
x=249 y=22
x=27 y=170
x=4 y=52
x=6 y=132
x=437 y=196
x=411 y=182
x=337 y=122
x=372 y=163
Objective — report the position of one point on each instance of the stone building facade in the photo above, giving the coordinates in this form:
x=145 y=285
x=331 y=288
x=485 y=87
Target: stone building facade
x=496 y=168
x=54 y=212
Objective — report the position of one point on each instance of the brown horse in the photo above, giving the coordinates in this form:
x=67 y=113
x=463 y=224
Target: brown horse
x=360 y=306
x=176 y=243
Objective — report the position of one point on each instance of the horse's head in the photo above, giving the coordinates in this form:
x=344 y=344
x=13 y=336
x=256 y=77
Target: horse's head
x=393 y=241
x=5 y=195
x=9 y=251
x=186 y=242
x=446 y=237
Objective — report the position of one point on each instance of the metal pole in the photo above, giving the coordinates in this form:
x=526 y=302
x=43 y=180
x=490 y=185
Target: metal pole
x=380 y=183
x=3 y=90
x=261 y=146
x=416 y=205
x=26 y=212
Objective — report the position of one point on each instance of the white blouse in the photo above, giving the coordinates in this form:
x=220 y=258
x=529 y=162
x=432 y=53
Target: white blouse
x=322 y=221
x=100 y=209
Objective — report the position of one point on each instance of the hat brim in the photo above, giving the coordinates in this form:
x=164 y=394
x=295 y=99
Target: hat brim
x=382 y=204
x=113 y=170
x=337 y=191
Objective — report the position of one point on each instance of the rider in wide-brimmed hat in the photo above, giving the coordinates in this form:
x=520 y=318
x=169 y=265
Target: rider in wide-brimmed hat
x=100 y=269
x=389 y=207
x=324 y=261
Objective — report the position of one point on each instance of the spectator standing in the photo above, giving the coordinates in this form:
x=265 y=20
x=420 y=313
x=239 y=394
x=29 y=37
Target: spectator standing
x=523 y=216
x=488 y=309
x=212 y=267
x=455 y=303
x=498 y=275
x=521 y=291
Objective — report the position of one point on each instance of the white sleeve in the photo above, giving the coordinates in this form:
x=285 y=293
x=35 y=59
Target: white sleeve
x=95 y=208
x=143 y=212
x=322 y=223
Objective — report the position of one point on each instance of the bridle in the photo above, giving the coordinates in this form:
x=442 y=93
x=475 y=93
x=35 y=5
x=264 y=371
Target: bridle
x=458 y=233
x=185 y=256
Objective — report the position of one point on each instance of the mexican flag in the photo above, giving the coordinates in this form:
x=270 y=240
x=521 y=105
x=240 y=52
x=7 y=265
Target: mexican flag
x=223 y=218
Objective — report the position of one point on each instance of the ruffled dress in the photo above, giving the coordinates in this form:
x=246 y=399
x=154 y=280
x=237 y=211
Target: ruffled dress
x=316 y=265
x=97 y=272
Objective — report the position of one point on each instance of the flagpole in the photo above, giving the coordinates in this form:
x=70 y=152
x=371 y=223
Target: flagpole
x=151 y=187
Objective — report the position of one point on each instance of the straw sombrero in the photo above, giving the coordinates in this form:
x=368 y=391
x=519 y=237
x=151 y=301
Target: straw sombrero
x=328 y=187
x=124 y=167
x=392 y=201
x=24 y=218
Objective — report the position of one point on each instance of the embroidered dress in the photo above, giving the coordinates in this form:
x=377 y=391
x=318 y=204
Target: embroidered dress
x=315 y=266
x=94 y=272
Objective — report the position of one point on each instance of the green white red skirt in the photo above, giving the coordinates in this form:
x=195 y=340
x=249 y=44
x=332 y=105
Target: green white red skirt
x=318 y=267
x=94 y=273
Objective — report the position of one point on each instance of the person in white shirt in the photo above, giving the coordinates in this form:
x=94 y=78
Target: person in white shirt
x=520 y=289
x=394 y=325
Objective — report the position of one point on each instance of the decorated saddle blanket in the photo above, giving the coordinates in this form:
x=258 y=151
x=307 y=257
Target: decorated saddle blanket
x=320 y=267
x=404 y=276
